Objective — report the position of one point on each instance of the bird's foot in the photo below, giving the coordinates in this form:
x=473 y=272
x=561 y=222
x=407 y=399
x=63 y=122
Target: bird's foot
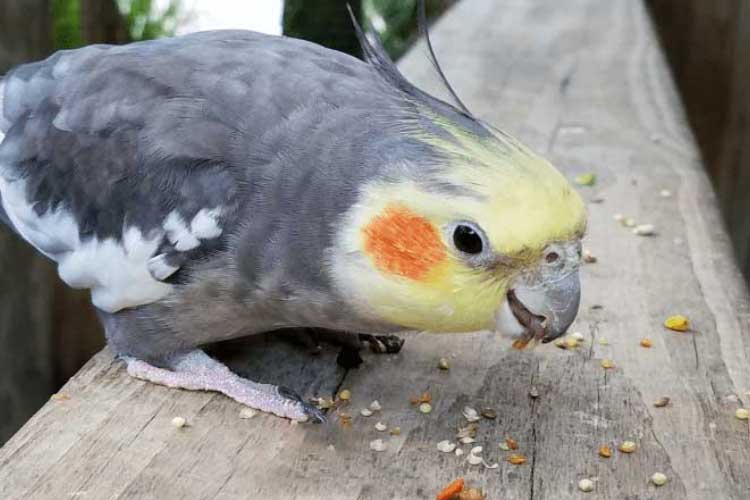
x=197 y=371
x=383 y=344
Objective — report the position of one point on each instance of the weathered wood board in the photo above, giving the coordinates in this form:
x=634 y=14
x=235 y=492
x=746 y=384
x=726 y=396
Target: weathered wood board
x=585 y=82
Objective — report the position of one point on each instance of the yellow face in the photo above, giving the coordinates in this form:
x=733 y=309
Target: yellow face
x=443 y=260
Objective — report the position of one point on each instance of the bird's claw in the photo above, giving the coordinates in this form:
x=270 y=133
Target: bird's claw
x=313 y=414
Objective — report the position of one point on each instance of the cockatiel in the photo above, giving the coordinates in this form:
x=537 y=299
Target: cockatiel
x=227 y=183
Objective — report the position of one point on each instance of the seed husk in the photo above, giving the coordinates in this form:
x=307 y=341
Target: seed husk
x=378 y=445
x=425 y=408
x=662 y=402
x=444 y=364
x=446 y=446
x=474 y=459
x=489 y=413
x=586 y=485
x=375 y=406
x=659 y=479
x=577 y=336
x=644 y=230
x=677 y=323
x=246 y=413
x=179 y=422
x=627 y=447
x=366 y=412
x=533 y=393
x=470 y=414
x=512 y=443
x=471 y=494
x=605 y=451
x=380 y=427
x=742 y=413
x=396 y=431
x=587 y=179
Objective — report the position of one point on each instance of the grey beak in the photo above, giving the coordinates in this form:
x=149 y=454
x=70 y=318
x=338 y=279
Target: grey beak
x=557 y=301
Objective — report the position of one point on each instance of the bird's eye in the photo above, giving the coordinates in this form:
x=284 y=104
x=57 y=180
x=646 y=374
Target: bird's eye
x=467 y=239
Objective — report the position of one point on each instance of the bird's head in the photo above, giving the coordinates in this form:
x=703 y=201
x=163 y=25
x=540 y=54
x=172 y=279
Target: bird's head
x=488 y=236
x=472 y=232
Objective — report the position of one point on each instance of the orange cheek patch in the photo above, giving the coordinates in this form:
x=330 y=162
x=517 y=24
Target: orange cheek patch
x=403 y=243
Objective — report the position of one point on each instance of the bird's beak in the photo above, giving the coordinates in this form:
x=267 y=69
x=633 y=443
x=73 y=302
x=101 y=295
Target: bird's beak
x=541 y=311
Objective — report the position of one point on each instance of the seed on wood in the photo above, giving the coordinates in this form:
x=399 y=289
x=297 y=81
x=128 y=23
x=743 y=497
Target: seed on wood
x=474 y=459
x=742 y=413
x=607 y=364
x=619 y=217
x=446 y=446
x=378 y=445
x=504 y=446
x=517 y=459
x=246 y=413
x=472 y=494
x=470 y=414
x=489 y=413
x=627 y=447
x=476 y=450
x=571 y=343
x=426 y=397
x=444 y=364
x=375 y=406
x=467 y=440
x=380 y=427
x=587 y=179
x=658 y=479
x=644 y=230
x=459 y=452
x=345 y=395
x=560 y=343
x=646 y=343
x=678 y=323
x=365 y=412
x=662 y=402
x=425 y=408
x=488 y=465
x=512 y=443
x=605 y=451
x=323 y=403
x=396 y=431
x=586 y=485
x=628 y=222
x=588 y=257
x=665 y=193
x=469 y=430
x=533 y=393
x=179 y=422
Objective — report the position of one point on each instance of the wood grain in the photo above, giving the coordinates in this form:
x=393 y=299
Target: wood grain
x=584 y=82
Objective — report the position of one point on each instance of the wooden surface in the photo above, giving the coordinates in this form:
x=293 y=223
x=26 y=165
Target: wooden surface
x=585 y=82
x=708 y=46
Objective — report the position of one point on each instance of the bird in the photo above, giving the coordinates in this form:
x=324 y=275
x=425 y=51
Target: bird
x=221 y=184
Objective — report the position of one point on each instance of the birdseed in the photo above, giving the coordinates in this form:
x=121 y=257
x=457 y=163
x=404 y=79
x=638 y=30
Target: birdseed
x=512 y=443
x=627 y=447
x=665 y=193
x=474 y=459
x=444 y=364
x=365 y=412
x=467 y=440
x=345 y=395
x=629 y=222
x=425 y=408
x=571 y=343
x=179 y=422
x=605 y=451
x=662 y=402
x=246 y=413
x=586 y=485
x=471 y=494
x=380 y=427
x=658 y=479
x=378 y=445
x=375 y=406
x=588 y=257
x=396 y=431
x=459 y=452
x=470 y=414
x=608 y=364
x=742 y=413
x=678 y=323
x=476 y=450
x=644 y=230
x=646 y=343
x=587 y=179
x=446 y=446
x=489 y=413
x=578 y=336
x=534 y=393
x=517 y=459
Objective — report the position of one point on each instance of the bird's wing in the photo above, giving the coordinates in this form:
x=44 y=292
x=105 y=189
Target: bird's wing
x=114 y=161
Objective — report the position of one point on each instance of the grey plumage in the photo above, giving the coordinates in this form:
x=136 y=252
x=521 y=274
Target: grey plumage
x=273 y=130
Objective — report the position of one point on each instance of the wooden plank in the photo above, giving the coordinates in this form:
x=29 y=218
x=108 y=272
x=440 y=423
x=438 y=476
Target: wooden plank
x=586 y=83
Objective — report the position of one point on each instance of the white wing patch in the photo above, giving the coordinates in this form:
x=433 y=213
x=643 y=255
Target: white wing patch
x=117 y=272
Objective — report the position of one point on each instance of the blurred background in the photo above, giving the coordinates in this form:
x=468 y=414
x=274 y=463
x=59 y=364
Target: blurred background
x=47 y=331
